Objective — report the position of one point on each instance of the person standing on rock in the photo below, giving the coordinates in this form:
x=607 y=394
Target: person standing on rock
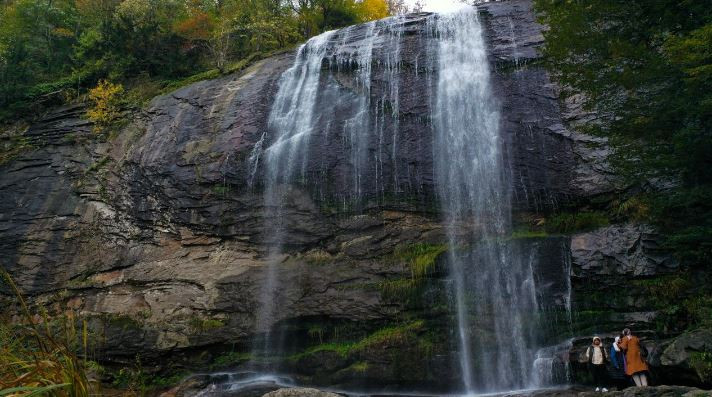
x=617 y=370
x=635 y=365
x=596 y=356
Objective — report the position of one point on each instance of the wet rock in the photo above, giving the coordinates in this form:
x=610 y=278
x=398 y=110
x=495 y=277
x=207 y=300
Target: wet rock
x=686 y=357
x=300 y=392
x=631 y=250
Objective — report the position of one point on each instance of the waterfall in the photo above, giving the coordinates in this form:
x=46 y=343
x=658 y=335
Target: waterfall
x=291 y=119
x=494 y=291
x=313 y=108
x=342 y=93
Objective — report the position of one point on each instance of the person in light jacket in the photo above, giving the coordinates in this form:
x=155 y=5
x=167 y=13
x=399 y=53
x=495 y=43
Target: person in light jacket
x=636 y=367
x=596 y=356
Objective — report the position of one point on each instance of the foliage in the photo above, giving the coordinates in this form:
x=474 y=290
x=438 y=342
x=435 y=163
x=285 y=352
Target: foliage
x=646 y=68
x=702 y=364
x=135 y=380
x=228 y=359
x=523 y=233
x=38 y=358
x=386 y=335
x=201 y=325
x=51 y=51
x=105 y=98
x=420 y=257
x=569 y=222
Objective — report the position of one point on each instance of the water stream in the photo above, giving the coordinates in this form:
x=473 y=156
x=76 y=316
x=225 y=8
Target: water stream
x=494 y=290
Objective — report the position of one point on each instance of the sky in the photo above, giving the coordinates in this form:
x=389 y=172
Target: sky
x=438 y=5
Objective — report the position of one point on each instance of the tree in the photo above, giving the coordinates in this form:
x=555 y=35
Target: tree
x=106 y=99
x=369 y=10
x=647 y=67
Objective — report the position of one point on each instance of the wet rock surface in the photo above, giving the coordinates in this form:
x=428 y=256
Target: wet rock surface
x=300 y=392
x=630 y=250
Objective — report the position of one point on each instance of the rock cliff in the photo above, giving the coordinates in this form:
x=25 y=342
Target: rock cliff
x=154 y=233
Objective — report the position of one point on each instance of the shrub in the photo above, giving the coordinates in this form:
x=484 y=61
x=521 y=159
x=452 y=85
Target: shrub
x=106 y=99
x=576 y=222
x=39 y=358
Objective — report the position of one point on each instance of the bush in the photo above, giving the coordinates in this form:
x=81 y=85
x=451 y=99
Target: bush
x=106 y=99
x=40 y=359
x=576 y=222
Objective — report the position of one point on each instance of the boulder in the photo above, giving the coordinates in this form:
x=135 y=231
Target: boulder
x=300 y=392
x=687 y=357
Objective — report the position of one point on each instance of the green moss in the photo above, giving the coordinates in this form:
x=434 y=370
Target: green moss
x=403 y=288
x=420 y=257
x=201 y=325
x=96 y=166
x=387 y=335
x=663 y=289
x=221 y=190
x=576 y=221
x=316 y=332
x=229 y=359
x=122 y=321
x=341 y=348
x=526 y=233
x=13 y=147
x=360 y=366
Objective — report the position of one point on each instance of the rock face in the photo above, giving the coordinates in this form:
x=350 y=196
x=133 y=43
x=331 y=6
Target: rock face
x=156 y=233
x=626 y=250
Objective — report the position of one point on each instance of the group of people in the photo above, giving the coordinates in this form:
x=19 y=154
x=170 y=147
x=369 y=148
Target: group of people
x=627 y=358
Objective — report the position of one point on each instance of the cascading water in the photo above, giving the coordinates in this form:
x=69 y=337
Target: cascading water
x=295 y=122
x=292 y=119
x=341 y=96
x=494 y=292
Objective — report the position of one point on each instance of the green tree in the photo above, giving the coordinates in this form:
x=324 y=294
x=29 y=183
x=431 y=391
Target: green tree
x=646 y=67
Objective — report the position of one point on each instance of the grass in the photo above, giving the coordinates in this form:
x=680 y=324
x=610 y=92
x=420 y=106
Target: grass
x=229 y=359
x=387 y=335
x=39 y=358
x=13 y=147
x=360 y=366
x=526 y=233
x=420 y=257
x=201 y=325
x=571 y=222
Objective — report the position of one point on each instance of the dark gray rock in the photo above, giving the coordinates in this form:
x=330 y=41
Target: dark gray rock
x=631 y=250
x=300 y=392
x=687 y=356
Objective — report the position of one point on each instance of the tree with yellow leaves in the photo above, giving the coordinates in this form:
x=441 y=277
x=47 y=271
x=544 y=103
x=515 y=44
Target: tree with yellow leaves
x=106 y=104
x=369 y=10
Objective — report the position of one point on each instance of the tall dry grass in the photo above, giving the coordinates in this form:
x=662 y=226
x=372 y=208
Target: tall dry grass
x=38 y=355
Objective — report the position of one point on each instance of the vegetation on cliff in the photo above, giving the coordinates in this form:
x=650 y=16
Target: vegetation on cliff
x=52 y=51
x=646 y=68
x=38 y=354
